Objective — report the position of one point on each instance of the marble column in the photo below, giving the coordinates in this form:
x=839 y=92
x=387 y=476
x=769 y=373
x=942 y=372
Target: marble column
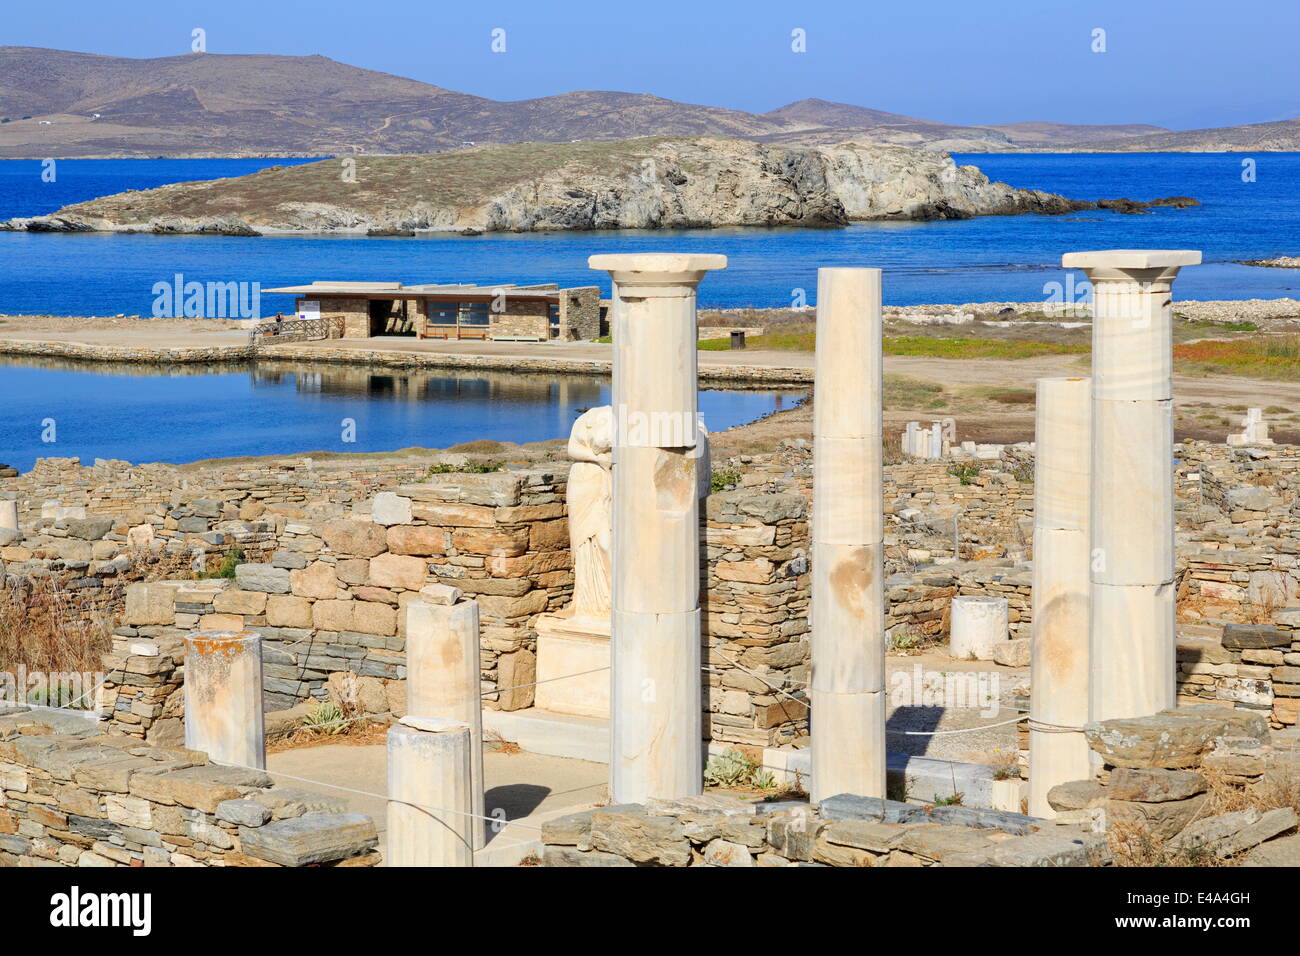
x=1059 y=664
x=848 y=607
x=655 y=697
x=1131 y=643
x=9 y=514
x=431 y=819
x=442 y=679
x=223 y=697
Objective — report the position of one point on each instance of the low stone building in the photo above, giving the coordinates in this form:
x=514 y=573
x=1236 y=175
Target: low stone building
x=503 y=312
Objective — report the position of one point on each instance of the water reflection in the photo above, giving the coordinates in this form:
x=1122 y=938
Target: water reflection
x=191 y=412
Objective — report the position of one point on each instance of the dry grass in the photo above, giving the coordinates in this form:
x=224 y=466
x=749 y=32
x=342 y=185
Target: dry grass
x=1268 y=357
x=42 y=629
x=1133 y=844
x=499 y=745
x=1280 y=788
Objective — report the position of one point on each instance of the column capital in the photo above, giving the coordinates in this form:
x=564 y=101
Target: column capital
x=1132 y=265
x=651 y=274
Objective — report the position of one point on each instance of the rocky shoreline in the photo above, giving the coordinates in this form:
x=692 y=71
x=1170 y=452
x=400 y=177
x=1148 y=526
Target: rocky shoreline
x=1280 y=262
x=655 y=183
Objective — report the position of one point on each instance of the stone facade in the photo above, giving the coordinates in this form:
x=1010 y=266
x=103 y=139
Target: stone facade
x=580 y=314
x=71 y=797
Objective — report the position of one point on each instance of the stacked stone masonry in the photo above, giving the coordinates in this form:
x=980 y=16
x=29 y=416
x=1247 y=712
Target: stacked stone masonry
x=70 y=796
x=332 y=550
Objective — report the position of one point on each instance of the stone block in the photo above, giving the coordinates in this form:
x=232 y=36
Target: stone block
x=283 y=610
x=421 y=540
x=515 y=672
x=262 y=577
x=1154 y=785
x=398 y=571
x=362 y=539
x=639 y=837
x=495 y=542
x=390 y=509
x=318 y=580
x=239 y=602
x=370 y=617
x=1240 y=636
x=248 y=813
x=313 y=838
x=149 y=605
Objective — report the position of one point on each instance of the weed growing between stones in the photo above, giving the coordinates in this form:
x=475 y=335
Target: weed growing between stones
x=734 y=770
x=966 y=474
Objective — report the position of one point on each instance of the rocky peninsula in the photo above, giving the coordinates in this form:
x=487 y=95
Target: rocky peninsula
x=648 y=183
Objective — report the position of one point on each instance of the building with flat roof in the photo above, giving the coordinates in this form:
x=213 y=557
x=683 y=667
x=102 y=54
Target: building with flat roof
x=507 y=312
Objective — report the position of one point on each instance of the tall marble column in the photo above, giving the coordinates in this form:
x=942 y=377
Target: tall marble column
x=1059 y=665
x=223 y=697
x=655 y=698
x=848 y=604
x=1131 y=644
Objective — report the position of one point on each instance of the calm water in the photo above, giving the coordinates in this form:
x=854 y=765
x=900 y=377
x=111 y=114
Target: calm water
x=991 y=258
x=279 y=408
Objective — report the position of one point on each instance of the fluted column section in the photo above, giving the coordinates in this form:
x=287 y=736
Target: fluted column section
x=1058 y=752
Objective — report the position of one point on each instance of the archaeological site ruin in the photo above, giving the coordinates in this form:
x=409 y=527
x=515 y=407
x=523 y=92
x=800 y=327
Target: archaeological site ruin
x=1110 y=618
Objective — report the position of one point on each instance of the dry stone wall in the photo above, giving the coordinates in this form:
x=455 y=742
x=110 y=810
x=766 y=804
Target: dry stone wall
x=72 y=797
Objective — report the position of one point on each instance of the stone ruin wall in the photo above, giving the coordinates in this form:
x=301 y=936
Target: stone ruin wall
x=1157 y=778
x=326 y=577
x=71 y=797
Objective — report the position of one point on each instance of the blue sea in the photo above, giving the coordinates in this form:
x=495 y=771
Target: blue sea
x=985 y=259
x=190 y=413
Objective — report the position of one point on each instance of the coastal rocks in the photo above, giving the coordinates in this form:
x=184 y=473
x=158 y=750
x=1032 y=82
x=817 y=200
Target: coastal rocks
x=1280 y=262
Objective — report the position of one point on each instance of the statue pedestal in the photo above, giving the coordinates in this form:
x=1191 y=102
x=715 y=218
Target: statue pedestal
x=569 y=646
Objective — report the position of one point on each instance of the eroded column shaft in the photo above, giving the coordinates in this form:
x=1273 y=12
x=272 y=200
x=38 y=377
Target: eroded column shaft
x=1058 y=752
x=431 y=816
x=848 y=617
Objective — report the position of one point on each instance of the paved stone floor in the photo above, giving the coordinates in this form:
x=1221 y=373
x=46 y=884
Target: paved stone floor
x=521 y=784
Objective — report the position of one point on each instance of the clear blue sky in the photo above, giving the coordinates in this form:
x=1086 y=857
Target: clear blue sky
x=1181 y=64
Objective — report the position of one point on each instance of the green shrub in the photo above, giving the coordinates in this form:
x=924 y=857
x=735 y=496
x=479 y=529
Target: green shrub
x=469 y=468
x=720 y=479
x=966 y=474
x=733 y=770
x=325 y=718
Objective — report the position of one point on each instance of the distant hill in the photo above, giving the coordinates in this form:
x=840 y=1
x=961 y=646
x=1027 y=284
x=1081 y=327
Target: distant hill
x=64 y=104
x=1280 y=136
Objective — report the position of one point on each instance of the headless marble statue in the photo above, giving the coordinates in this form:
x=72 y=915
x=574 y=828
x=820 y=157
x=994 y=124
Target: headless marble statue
x=590 y=496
